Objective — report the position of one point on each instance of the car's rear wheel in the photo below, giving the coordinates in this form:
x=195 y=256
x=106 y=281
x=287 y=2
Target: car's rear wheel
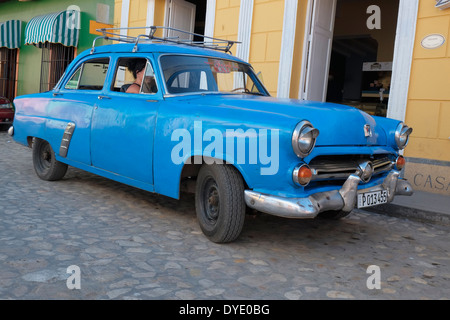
x=333 y=215
x=219 y=202
x=45 y=163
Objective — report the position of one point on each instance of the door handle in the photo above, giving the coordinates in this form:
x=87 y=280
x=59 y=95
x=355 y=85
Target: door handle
x=57 y=94
x=103 y=97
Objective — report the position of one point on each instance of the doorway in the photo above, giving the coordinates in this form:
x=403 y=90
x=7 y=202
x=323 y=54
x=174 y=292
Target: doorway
x=186 y=15
x=350 y=52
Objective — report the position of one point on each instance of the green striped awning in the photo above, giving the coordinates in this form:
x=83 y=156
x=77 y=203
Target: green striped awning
x=10 y=32
x=59 y=27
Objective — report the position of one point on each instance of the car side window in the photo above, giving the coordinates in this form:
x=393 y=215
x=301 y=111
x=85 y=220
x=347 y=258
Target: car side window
x=134 y=75
x=89 y=76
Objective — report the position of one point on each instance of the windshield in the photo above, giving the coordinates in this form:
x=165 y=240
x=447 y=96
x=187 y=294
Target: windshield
x=189 y=74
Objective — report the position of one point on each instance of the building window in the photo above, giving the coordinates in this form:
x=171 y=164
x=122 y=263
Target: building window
x=8 y=71
x=55 y=59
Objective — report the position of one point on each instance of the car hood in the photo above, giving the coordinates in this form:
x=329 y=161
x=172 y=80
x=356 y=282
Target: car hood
x=338 y=124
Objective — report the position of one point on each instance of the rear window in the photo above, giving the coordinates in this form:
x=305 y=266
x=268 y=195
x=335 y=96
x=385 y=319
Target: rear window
x=90 y=75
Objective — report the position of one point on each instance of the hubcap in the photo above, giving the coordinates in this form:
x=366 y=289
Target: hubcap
x=46 y=157
x=211 y=201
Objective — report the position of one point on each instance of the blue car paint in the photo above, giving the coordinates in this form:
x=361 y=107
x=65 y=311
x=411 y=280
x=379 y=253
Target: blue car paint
x=227 y=111
x=128 y=138
x=72 y=107
x=122 y=131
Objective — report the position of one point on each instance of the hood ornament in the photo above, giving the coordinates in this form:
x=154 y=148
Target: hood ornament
x=367 y=131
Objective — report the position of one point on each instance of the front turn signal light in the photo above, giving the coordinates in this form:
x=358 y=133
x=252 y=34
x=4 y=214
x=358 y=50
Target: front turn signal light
x=302 y=175
x=400 y=163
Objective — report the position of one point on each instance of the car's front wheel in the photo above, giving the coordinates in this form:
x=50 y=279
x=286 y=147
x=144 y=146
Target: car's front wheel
x=45 y=163
x=219 y=202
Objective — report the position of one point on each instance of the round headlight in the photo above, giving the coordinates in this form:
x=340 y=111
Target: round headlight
x=402 y=135
x=304 y=138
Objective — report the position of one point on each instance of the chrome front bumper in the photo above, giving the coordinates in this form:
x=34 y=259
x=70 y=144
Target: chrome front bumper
x=309 y=207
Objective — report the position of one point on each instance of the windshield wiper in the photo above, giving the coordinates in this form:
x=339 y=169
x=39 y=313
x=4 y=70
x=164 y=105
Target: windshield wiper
x=255 y=93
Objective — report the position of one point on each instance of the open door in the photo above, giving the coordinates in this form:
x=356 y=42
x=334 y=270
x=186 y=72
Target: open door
x=181 y=15
x=317 y=56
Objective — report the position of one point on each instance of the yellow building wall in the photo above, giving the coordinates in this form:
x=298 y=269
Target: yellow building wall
x=428 y=109
x=137 y=15
x=302 y=12
x=266 y=35
x=227 y=20
x=117 y=13
x=160 y=11
x=265 y=43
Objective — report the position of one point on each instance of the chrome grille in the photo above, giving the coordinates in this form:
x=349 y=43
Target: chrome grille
x=340 y=167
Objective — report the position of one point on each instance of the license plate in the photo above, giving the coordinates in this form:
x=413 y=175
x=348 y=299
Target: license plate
x=369 y=199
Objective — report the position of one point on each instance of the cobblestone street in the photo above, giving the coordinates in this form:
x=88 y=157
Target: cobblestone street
x=131 y=244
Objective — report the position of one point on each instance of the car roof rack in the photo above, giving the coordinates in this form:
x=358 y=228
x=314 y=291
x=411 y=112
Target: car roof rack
x=182 y=37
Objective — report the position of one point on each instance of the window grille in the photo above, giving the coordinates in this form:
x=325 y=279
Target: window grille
x=8 y=70
x=55 y=59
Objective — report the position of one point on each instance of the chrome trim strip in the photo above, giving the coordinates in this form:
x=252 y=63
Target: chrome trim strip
x=65 y=142
x=282 y=207
x=341 y=171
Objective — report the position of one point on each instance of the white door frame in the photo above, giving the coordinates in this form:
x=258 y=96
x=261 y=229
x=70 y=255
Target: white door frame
x=307 y=60
x=124 y=15
x=305 y=54
x=210 y=18
x=150 y=21
x=403 y=52
x=401 y=72
x=167 y=17
x=287 y=48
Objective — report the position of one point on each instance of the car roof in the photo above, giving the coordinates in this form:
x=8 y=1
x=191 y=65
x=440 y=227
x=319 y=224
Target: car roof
x=161 y=48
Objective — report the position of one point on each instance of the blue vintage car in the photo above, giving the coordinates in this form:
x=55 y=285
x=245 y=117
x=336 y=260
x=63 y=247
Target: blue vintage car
x=167 y=117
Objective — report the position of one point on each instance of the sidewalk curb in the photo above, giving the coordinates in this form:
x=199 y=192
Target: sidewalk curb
x=420 y=215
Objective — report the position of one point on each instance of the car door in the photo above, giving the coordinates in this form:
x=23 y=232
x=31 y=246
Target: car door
x=71 y=109
x=123 y=125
